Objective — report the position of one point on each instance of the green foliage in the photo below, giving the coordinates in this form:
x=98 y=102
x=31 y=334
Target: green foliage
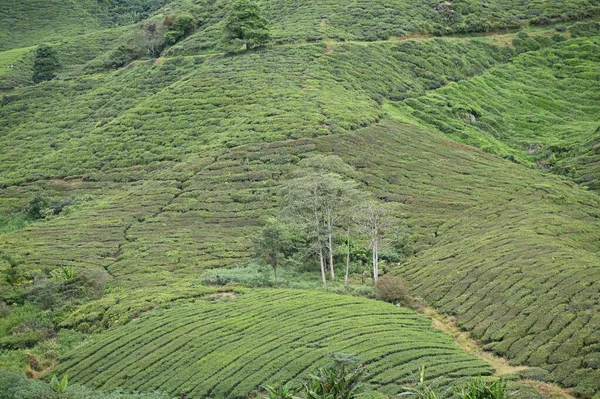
x=45 y=64
x=529 y=108
x=478 y=388
x=60 y=386
x=178 y=27
x=66 y=287
x=41 y=206
x=338 y=380
x=16 y=386
x=182 y=156
x=64 y=273
x=245 y=23
x=422 y=389
x=273 y=242
x=372 y=20
x=281 y=391
x=250 y=275
x=12 y=275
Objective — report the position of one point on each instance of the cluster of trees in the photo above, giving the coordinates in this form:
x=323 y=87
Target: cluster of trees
x=245 y=24
x=45 y=63
x=318 y=211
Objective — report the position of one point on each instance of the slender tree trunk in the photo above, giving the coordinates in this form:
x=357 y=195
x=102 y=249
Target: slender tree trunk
x=373 y=256
x=347 y=258
x=322 y=259
x=331 y=256
x=319 y=243
x=375 y=259
x=274 y=263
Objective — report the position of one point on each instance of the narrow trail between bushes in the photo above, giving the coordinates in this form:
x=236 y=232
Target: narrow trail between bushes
x=501 y=38
x=501 y=366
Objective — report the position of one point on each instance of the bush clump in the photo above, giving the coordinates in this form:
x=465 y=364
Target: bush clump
x=17 y=386
x=392 y=289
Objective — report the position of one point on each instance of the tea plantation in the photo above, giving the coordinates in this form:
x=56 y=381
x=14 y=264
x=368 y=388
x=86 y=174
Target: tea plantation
x=140 y=175
x=229 y=347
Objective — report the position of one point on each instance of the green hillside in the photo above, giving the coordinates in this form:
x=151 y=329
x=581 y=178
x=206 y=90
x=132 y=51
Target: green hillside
x=26 y=23
x=379 y=20
x=147 y=173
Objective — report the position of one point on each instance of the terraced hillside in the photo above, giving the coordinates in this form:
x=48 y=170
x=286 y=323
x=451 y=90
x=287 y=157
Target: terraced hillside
x=230 y=347
x=174 y=229
x=27 y=23
x=165 y=168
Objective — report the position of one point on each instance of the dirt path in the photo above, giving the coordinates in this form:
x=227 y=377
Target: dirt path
x=499 y=364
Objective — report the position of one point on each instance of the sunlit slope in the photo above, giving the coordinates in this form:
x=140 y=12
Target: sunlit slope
x=27 y=23
x=542 y=109
x=230 y=347
x=165 y=110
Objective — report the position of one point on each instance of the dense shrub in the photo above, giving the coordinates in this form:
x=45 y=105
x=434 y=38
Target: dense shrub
x=16 y=386
x=478 y=388
x=251 y=275
x=41 y=206
x=178 y=26
x=46 y=63
x=64 y=288
x=341 y=379
x=246 y=23
x=392 y=289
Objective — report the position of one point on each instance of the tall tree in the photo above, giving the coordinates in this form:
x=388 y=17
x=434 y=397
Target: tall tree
x=45 y=63
x=319 y=201
x=372 y=218
x=272 y=242
x=245 y=23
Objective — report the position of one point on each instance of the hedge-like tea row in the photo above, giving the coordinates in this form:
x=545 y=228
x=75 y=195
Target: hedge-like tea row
x=543 y=108
x=227 y=348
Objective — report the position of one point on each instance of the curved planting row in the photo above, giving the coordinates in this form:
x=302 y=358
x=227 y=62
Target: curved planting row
x=228 y=348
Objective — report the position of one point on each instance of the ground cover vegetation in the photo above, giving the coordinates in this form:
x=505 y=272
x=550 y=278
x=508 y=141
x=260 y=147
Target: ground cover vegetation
x=22 y=26
x=341 y=378
x=163 y=178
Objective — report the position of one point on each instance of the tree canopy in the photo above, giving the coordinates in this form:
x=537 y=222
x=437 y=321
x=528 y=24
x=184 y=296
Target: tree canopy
x=246 y=23
x=45 y=64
